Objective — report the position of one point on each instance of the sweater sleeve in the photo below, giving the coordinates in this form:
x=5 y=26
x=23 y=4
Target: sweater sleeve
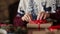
x=55 y=15
x=20 y=12
x=21 y=8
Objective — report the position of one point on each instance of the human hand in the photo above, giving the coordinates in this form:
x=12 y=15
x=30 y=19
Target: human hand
x=42 y=15
x=26 y=17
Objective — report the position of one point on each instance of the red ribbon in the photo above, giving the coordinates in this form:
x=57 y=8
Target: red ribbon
x=44 y=21
x=38 y=22
x=52 y=28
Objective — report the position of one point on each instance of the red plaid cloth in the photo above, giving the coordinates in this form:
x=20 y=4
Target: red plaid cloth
x=17 y=21
x=55 y=15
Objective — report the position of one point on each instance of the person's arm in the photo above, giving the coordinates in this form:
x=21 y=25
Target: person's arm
x=55 y=12
x=23 y=16
x=49 y=7
x=55 y=15
x=20 y=12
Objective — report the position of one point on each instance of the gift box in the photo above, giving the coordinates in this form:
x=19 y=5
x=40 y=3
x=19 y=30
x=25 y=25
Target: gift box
x=34 y=27
x=46 y=25
x=39 y=24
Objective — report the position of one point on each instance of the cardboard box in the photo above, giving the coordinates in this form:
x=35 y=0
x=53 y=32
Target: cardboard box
x=45 y=25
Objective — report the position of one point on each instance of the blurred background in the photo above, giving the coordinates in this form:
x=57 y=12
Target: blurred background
x=8 y=9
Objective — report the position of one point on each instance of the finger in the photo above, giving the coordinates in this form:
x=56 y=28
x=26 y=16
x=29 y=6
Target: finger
x=41 y=16
x=26 y=18
x=38 y=16
x=29 y=17
x=23 y=18
x=45 y=16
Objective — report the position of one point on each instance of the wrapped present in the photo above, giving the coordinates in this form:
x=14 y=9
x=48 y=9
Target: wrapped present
x=39 y=24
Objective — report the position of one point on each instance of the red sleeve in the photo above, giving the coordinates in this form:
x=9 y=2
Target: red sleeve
x=18 y=21
x=55 y=15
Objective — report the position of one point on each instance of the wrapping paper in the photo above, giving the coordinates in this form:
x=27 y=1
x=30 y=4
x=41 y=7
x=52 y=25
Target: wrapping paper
x=38 y=24
x=38 y=21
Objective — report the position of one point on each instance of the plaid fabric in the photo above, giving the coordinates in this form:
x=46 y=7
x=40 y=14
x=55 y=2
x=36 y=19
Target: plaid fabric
x=18 y=21
x=56 y=15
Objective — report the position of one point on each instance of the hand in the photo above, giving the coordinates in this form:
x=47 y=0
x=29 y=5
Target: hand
x=26 y=17
x=43 y=15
